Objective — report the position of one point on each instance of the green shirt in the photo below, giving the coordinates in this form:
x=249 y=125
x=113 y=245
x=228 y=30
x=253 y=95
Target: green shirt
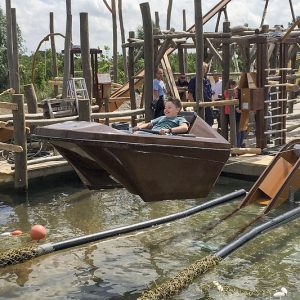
x=164 y=122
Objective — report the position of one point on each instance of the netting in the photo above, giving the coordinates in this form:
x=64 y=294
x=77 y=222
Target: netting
x=15 y=256
x=181 y=280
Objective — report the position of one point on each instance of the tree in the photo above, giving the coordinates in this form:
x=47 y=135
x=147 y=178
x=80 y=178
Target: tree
x=3 y=50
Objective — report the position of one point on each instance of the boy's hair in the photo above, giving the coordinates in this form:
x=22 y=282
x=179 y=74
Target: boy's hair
x=175 y=101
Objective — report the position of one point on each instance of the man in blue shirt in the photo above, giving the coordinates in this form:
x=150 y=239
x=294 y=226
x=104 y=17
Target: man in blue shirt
x=207 y=94
x=159 y=90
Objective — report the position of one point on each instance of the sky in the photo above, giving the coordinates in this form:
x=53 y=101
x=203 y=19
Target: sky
x=33 y=17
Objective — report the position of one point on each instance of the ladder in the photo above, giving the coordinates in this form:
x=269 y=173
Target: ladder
x=77 y=90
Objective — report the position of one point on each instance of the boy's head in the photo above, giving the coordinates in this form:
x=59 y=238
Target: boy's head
x=172 y=107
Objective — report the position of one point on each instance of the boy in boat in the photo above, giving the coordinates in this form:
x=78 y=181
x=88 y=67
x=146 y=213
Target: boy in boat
x=170 y=123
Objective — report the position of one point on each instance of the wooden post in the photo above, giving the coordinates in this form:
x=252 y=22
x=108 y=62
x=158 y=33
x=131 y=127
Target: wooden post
x=84 y=110
x=9 y=43
x=21 y=179
x=67 y=49
x=156 y=19
x=232 y=121
x=131 y=79
x=199 y=56
x=148 y=59
x=261 y=80
x=31 y=98
x=181 y=63
x=169 y=12
x=225 y=76
x=14 y=30
x=124 y=58
x=283 y=64
x=185 y=50
x=115 y=39
x=53 y=51
x=85 y=52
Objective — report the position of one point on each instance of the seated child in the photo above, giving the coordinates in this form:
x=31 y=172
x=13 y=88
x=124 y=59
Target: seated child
x=170 y=123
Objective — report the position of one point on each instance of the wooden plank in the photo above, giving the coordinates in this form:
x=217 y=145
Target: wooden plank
x=8 y=105
x=210 y=104
x=117 y=114
x=10 y=147
x=169 y=76
x=276 y=177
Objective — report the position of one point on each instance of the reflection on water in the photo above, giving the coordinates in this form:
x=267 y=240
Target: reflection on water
x=122 y=267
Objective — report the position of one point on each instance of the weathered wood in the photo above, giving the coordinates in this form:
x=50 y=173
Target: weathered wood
x=124 y=58
x=8 y=91
x=118 y=114
x=14 y=30
x=115 y=39
x=85 y=53
x=8 y=117
x=214 y=51
x=199 y=56
x=157 y=19
x=169 y=12
x=53 y=51
x=84 y=110
x=169 y=76
x=42 y=160
x=219 y=103
x=161 y=52
x=148 y=59
x=225 y=76
x=43 y=122
x=131 y=79
x=181 y=63
x=8 y=105
x=261 y=80
x=21 y=179
x=11 y=147
x=9 y=43
x=31 y=99
x=184 y=50
x=240 y=151
x=232 y=121
x=67 y=50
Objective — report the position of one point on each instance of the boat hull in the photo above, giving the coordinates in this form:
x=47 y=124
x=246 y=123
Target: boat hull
x=154 y=167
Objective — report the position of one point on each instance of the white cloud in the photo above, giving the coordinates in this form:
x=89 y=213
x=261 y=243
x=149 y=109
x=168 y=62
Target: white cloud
x=33 y=17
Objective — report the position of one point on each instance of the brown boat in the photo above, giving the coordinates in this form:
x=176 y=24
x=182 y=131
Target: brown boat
x=155 y=167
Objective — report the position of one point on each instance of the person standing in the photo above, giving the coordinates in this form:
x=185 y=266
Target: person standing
x=217 y=87
x=182 y=83
x=207 y=94
x=159 y=91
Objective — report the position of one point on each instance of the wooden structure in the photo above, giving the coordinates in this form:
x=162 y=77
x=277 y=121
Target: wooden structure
x=94 y=56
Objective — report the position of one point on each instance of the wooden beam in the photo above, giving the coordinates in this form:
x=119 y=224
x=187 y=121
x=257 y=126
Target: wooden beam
x=118 y=114
x=8 y=105
x=11 y=147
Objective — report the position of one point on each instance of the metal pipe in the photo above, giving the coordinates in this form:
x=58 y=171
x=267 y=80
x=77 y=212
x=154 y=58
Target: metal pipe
x=237 y=243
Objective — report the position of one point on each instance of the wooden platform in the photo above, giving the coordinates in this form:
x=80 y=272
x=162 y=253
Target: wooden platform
x=36 y=171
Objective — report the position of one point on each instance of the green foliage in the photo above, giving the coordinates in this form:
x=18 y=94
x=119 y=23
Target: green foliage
x=3 y=50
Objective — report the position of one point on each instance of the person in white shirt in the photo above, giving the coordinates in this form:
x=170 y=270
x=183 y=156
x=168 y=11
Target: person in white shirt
x=217 y=87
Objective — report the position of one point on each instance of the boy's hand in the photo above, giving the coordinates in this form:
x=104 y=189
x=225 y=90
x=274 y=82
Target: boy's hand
x=164 y=131
x=136 y=128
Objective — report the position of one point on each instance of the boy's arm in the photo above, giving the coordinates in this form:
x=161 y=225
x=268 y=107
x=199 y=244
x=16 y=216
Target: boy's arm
x=143 y=126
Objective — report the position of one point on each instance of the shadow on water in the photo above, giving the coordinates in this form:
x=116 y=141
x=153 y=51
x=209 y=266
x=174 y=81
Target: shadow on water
x=121 y=268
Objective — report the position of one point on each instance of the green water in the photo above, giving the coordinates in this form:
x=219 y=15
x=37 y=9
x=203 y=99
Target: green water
x=122 y=267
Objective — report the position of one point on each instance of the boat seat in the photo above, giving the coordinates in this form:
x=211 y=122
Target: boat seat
x=190 y=116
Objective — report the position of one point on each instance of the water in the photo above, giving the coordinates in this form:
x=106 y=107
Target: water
x=122 y=267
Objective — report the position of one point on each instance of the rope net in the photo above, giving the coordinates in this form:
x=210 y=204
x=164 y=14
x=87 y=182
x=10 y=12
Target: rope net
x=15 y=256
x=181 y=280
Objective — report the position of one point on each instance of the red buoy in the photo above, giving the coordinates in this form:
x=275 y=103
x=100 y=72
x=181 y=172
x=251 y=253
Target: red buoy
x=38 y=232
